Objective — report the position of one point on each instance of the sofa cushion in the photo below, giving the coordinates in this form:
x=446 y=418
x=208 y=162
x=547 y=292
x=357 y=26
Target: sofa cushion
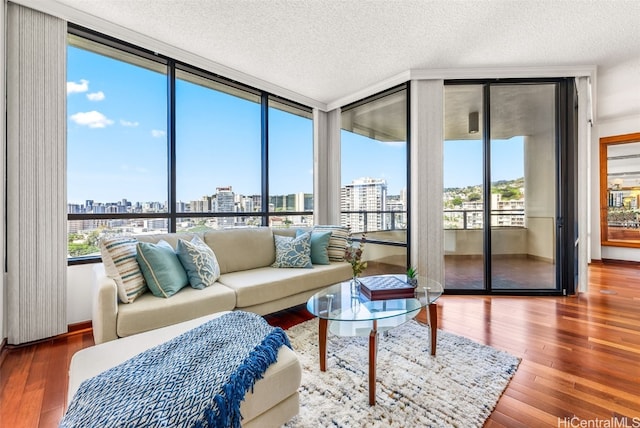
x=119 y=258
x=293 y=252
x=161 y=268
x=338 y=241
x=150 y=312
x=319 y=246
x=200 y=262
x=257 y=286
x=242 y=248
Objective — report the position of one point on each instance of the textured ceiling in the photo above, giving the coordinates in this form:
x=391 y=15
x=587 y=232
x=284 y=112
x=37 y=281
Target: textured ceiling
x=329 y=49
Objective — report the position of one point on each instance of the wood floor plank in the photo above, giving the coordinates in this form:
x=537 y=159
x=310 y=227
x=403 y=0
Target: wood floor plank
x=579 y=355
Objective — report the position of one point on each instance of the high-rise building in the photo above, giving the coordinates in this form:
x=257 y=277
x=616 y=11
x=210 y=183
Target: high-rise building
x=363 y=200
x=202 y=205
x=225 y=203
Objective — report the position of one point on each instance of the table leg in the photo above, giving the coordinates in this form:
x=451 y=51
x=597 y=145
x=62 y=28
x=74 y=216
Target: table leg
x=322 y=342
x=373 y=351
x=433 y=325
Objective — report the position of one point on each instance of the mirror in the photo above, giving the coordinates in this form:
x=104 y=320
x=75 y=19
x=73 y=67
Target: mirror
x=620 y=190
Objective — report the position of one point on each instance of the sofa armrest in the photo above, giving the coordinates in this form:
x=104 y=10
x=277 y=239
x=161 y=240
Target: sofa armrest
x=104 y=311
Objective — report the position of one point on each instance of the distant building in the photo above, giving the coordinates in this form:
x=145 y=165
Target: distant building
x=364 y=194
x=225 y=203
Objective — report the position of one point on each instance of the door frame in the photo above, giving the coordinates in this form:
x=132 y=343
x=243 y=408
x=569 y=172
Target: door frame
x=566 y=185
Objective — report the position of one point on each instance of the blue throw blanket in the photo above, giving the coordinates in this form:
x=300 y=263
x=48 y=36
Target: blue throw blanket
x=197 y=379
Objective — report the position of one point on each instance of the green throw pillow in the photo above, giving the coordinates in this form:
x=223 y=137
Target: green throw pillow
x=293 y=252
x=319 y=247
x=199 y=261
x=161 y=268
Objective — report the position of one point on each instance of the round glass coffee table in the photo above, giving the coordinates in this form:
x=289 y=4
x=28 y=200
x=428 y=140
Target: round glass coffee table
x=347 y=312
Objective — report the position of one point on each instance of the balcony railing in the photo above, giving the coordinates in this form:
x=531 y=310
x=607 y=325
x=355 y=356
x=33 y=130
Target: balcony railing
x=474 y=219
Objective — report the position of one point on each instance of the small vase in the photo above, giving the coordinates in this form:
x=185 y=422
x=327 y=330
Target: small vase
x=412 y=282
x=355 y=286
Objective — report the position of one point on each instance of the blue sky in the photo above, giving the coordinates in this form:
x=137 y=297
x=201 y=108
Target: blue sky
x=117 y=142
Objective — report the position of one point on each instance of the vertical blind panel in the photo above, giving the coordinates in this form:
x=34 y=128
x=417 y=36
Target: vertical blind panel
x=320 y=166
x=327 y=167
x=427 y=234
x=36 y=179
x=333 y=167
x=584 y=188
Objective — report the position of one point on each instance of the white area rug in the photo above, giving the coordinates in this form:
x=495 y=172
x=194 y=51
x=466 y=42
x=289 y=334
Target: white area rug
x=459 y=387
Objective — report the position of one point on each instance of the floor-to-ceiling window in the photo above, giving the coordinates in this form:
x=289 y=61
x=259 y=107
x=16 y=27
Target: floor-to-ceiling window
x=290 y=155
x=502 y=183
x=155 y=145
x=116 y=143
x=374 y=173
x=218 y=159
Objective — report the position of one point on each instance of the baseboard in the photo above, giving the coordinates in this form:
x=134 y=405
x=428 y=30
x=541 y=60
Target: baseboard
x=79 y=326
x=3 y=351
x=620 y=262
x=72 y=329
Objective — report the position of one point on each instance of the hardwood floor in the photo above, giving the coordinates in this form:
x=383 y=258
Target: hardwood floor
x=580 y=356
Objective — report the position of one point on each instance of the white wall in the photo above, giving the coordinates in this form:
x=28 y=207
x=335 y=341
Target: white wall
x=618 y=126
x=540 y=195
x=79 y=293
x=617 y=112
x=3 y=133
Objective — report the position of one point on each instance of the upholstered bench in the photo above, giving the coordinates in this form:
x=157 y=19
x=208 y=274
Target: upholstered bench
x=274 y=399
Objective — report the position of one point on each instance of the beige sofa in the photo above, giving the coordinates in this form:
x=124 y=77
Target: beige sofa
x=247 y=282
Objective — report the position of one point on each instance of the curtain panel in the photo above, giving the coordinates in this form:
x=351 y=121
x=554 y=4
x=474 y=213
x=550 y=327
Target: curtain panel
x=326 y=159
x=36 y=175
x=427 y=135
x=585 y=120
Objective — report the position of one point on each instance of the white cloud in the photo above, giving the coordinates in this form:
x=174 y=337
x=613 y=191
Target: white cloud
x=128 y=123
x=156 y=133
x=92 y=119
x=74 y=87
x=96 y=96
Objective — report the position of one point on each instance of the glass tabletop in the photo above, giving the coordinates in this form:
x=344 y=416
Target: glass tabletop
x=337 y=303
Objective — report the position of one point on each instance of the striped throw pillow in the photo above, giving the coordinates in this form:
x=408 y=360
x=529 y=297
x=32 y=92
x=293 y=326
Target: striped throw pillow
x=119 y=258
x=338 y=241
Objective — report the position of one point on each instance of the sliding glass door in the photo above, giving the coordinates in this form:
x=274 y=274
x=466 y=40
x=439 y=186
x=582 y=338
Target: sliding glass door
x=502 y=177
x=464 y=190
x=523 y=192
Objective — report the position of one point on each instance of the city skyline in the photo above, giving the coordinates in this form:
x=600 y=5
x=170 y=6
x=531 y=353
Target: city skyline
x=237 y=195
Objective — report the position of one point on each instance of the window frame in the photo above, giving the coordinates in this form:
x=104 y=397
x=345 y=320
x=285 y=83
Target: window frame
x=172 y=65
x=406 y=86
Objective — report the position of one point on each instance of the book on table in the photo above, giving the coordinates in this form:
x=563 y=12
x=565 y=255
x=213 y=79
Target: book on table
x=385 y=288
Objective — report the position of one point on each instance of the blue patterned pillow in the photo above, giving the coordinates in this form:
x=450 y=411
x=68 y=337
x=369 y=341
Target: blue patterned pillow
x=293 y=252
x=199 y=261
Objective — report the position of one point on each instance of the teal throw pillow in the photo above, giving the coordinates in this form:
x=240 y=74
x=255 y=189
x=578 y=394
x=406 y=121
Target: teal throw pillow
x=199 y=261
x=293 y=252
x=161 y=268
x=338 y=242
x=319 y=247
